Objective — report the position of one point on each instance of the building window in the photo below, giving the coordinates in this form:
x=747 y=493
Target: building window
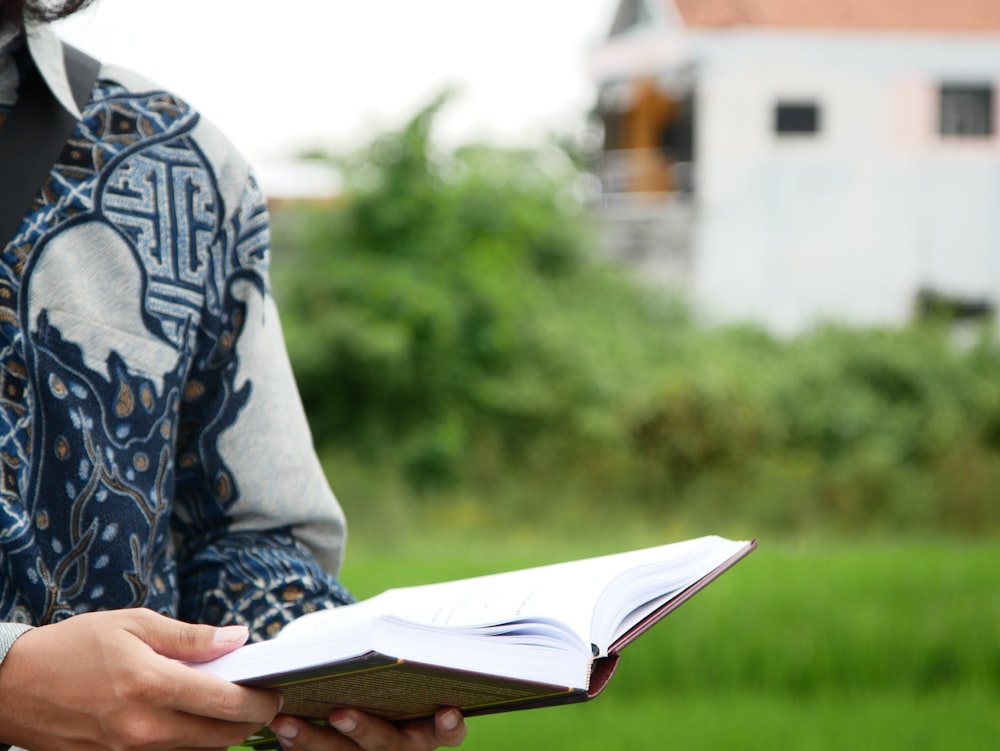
x=796 y=118
x=966 y=110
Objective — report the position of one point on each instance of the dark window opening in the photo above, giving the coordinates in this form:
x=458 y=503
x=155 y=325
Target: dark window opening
x=939 y=306
x=792 y=118
x=966 y=110
x=614 y=130
x=677 y=135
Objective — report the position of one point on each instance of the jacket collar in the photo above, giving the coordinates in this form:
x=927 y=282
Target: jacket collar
x=46 y=53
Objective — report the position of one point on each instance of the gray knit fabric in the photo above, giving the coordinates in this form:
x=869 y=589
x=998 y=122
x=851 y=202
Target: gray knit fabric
x=8 y=635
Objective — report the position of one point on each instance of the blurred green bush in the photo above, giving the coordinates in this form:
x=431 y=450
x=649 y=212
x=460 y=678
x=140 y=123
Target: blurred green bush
x=449 y=321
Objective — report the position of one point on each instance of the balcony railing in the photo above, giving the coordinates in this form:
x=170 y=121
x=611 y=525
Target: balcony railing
x=642 y=171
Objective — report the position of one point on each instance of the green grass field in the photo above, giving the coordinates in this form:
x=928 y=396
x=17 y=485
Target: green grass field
x=827 y=645
x=882 y=721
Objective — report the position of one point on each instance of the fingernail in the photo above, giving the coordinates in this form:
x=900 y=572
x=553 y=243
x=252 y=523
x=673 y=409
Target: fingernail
x=450 y=719
x=345 y=724
x=229 y=635
x=286 y=729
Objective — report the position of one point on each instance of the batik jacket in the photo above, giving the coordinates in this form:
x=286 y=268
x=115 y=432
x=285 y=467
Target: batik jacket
x=153 y=448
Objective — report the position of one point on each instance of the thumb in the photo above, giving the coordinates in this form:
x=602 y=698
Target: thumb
x=190 y=642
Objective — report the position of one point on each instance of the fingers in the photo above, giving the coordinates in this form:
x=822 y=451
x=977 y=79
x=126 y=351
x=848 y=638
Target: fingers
x=293 y=733
x=356 y=730
x=192 y=691
x=199 y=732
x=203 y=694
x=186 y=641
x=449 y=728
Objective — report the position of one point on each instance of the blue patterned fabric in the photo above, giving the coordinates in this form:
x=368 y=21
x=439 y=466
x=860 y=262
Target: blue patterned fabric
x=152 y=447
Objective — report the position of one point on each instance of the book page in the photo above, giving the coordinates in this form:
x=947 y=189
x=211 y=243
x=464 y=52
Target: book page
x=564 y=592
x=484 y=603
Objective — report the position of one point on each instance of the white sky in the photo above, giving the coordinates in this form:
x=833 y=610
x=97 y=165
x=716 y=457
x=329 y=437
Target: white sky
x=280 y=75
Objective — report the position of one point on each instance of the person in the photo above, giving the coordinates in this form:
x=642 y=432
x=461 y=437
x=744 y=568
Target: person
x=161 y=501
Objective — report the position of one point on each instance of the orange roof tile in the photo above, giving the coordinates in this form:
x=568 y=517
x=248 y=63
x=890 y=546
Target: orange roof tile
x=873 y=15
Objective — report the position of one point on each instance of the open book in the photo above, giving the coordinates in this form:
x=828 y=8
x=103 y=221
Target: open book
x=532 y=637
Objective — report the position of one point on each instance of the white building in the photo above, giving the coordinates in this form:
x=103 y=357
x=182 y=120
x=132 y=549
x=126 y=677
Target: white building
x=791 y=161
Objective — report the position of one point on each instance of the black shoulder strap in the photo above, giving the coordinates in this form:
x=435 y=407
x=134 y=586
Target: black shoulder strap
x=34 y=135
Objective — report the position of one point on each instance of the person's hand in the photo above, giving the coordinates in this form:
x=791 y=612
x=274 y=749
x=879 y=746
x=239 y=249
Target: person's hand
x=114 y=680
x=352 y=730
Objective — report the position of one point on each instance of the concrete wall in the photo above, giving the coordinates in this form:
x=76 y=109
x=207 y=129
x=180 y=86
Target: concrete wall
x=848 y=224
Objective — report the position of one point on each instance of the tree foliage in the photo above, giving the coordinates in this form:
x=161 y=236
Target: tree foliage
x=441 y=307
x=448 y=317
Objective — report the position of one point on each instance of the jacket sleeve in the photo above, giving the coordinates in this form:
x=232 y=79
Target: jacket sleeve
x=258 y=532
x=8 y=635
x=9 y=632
